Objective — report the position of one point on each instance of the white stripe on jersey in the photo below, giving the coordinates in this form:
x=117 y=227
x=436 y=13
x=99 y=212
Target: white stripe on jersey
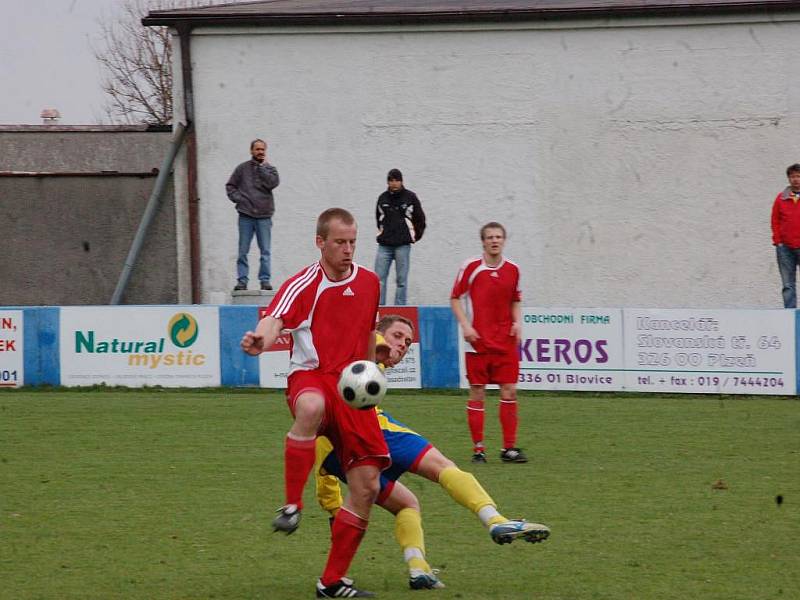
x=294 y=289
x=463 y=268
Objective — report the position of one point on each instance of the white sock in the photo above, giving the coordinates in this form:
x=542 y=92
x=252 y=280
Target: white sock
x=412 y=552
x=487 y=513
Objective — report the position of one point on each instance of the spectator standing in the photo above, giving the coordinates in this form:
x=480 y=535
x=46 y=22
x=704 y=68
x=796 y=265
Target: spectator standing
x=786 y=234
x=250 y=189
x=401 y=222
x=490 y=323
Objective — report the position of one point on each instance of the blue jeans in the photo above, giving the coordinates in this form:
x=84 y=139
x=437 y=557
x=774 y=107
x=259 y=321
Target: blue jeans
x=262 y=228
x=383 y=261
x=788 y=259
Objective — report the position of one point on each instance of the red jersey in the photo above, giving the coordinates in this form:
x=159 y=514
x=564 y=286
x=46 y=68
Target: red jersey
x=786 y=219
x=488 y=294
x=330 y=322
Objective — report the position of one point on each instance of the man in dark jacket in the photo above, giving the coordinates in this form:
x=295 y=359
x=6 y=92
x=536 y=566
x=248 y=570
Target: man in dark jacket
x=401 y=222
x=250 y=189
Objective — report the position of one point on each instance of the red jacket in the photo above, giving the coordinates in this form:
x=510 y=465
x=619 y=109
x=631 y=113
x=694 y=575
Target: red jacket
x=786 y=219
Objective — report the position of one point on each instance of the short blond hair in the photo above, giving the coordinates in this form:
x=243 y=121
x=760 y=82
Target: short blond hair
x=325 y=218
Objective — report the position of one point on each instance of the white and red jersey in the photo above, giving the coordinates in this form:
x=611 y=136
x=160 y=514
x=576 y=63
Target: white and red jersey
x=330 y=322
x=488 y=293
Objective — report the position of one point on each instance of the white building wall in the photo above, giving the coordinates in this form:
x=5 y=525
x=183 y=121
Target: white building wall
x=633 y=162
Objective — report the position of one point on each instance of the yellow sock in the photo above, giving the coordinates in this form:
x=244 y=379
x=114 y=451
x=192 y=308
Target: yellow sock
x=465 y=489
x=408 y=529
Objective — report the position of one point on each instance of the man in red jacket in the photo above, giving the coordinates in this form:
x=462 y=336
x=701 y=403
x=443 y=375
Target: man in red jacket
x=786 y=234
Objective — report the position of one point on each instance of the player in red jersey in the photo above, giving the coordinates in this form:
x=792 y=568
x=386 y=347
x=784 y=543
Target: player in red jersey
x=330 y=309
x=490 y=322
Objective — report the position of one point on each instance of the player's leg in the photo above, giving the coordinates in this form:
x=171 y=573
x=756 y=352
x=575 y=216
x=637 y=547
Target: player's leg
x=475 y=418
x=349 y=527
x=504 y=370
x=308 y=408
x=362 y=451
x=409 y=534
x=246 y=232
x=402 y=263
x=465 y=489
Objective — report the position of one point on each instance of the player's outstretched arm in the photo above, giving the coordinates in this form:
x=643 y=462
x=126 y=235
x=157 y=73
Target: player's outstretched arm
x=267 y=331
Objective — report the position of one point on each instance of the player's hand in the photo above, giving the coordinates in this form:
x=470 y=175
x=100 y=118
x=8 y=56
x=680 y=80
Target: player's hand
x=387 y=356
x=515 y=331
x=470 y=334
x=252 y=343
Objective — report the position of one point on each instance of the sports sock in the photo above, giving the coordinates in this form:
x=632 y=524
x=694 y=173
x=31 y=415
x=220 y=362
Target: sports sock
x=346 y=534
x=410 y=536
x=508 y=421
x=465 y=489
x=489 y=516
x=298 y=458
x=475 y=413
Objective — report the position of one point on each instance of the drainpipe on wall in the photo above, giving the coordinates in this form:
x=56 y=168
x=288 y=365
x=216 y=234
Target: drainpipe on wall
x=149 y=214
x=184 y=32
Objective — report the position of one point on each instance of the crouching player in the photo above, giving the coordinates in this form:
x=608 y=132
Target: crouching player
x=413 y=453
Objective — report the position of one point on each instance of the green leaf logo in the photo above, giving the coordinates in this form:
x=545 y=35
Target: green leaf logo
x=183 y=330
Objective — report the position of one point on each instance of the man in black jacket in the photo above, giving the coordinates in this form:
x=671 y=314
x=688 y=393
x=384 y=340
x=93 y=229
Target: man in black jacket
x=401 y=222
x=250 y=189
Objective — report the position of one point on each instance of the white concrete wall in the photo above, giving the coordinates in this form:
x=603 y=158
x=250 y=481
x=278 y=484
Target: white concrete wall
x=634 y=163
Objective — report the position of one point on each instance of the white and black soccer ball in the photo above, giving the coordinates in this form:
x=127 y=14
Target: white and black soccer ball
x=362 y=384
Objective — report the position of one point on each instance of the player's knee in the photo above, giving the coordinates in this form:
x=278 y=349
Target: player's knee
x=308 y=410
x=477 y=393
x=433 y=463
x=365 y=493
x=508 y=392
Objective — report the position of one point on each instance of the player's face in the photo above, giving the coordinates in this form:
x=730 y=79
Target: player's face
x=794 y=181
x=338 y=248
x=493 y=242
x=399 y=337
x=259 y=151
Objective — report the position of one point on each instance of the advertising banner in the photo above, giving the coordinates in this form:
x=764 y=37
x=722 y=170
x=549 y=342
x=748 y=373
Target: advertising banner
x=11 y=352
x=719 y=351
x=567 y=349
x=274 y=363
x=571 y=349
x=171 y=346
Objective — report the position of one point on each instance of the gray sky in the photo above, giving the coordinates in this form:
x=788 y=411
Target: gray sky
x=46 y=60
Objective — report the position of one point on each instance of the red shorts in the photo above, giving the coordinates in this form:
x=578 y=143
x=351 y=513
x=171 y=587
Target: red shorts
x=488 y=368
x=355 y=434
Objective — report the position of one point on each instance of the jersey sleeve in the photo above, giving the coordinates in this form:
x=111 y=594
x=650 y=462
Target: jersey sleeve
x=517 y=297
x=461 y=285
x=291 y=302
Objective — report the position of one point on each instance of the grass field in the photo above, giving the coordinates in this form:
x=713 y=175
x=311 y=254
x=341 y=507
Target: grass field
x=148 y=494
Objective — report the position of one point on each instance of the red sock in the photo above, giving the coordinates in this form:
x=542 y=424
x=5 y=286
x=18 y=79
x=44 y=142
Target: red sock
x=475 y=414
x=298 y=458
x=508 y=421
x=346 y=534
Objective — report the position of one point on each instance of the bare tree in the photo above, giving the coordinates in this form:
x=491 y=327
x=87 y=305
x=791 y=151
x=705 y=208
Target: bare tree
x=137 y=63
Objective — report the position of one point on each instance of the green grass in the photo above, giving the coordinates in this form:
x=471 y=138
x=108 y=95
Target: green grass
x=150 y=494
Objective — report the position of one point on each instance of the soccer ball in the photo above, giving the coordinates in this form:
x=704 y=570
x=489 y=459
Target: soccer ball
x=362 y=384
